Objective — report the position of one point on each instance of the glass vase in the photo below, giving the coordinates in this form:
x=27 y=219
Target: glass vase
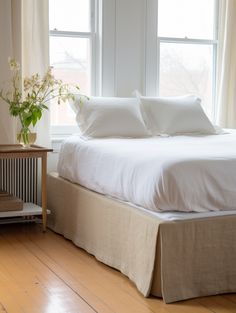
x=26 y=139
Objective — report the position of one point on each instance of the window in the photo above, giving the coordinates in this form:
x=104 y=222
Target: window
x=72 y=36
x=187 y=47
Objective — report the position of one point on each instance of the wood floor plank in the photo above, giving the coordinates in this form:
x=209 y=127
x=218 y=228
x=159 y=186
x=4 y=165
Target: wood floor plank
x=89 y=276
x=155 y=305
x=44 y=273
x=126 y=285
x=27 y=283
x=66 y=277
x=189 y=306
x=231 y=297
x=9 y=303
x=218 y=304
x=74 y=258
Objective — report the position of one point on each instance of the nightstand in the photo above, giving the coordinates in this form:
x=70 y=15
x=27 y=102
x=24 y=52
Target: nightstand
x=19 y=176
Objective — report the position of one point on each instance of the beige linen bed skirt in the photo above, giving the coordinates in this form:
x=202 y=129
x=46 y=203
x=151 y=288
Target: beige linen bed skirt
x=175 y=260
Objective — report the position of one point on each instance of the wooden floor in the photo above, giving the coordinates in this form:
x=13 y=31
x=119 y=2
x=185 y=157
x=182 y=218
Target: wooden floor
x=45 y=273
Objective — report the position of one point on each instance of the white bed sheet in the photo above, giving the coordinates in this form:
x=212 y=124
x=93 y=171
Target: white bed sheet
x=178 y=215
x=181 y=173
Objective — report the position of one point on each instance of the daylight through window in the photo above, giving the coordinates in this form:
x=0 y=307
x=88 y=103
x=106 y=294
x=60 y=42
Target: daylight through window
x=71 y=43
x=187 y=41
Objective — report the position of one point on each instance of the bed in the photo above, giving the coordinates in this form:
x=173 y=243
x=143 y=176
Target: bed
x=173 y=240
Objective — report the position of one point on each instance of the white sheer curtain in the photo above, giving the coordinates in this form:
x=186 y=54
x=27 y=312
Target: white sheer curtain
x=35 y=52
x=226 y=82
x=24 y=36
x=10 y=32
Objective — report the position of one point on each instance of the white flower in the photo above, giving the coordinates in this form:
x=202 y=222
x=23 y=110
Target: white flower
x=14 y=66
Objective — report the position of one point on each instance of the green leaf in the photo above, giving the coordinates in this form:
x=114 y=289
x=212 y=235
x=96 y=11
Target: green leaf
x=44 y=106
x=27 y=121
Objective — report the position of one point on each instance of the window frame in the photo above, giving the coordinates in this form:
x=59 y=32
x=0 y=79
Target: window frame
x=153 y=41
x=58 y=131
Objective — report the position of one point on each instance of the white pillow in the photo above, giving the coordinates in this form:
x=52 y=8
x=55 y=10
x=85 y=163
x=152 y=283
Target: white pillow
x=175 y=115
x=110 y=117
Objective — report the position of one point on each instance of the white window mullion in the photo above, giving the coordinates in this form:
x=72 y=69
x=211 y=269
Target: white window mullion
x=59 y=33
x=187 y=40
x=151 y=50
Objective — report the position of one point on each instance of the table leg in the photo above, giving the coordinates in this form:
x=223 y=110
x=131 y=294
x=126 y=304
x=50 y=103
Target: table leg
x=44 y=190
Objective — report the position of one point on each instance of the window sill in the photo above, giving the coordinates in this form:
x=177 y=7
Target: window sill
x=59 y=134
x=57 y=140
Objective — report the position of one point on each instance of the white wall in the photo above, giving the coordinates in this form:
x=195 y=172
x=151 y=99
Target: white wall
x=130 y=46
x=123 y=45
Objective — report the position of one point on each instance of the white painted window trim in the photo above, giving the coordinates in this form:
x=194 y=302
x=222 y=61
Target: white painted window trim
x=152 y=53
x=151 y=49
x=108 y=35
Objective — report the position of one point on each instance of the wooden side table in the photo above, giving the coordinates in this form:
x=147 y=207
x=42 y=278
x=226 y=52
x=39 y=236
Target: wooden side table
x=17 y=165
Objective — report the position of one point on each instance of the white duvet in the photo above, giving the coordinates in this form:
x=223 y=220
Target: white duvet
x=181 y=173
